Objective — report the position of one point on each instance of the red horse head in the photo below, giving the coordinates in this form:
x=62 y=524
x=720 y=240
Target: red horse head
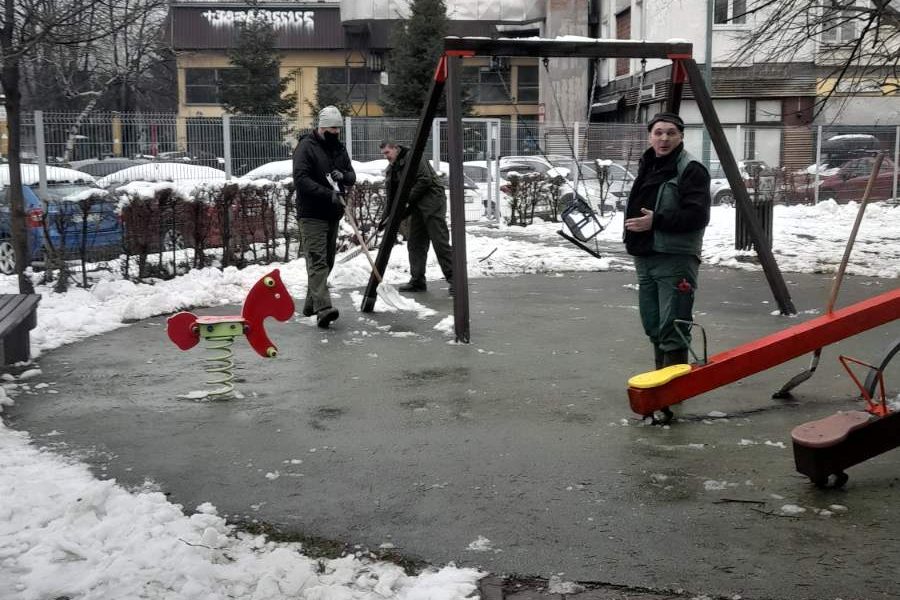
x=267 y=298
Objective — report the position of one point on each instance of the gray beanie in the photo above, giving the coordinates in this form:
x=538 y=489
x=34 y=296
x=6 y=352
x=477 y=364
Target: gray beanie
x=330 y=116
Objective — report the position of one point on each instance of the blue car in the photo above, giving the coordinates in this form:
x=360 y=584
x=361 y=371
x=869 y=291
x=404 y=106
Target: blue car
x=75 y=218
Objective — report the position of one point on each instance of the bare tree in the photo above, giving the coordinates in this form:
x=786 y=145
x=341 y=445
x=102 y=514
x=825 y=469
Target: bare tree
x=29 y=28
x=855 y=43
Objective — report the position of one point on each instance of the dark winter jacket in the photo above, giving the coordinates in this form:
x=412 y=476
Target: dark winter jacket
x=680 y=203
x=314 y=159
x=427 y=193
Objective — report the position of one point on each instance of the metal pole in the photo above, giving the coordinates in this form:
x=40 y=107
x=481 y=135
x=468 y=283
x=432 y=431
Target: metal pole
x=407 y=178
x=226 y=142
x=896 y=159
x=41 y=152
x=348 y=136
x=436 y=143
x=707 y=68
x=575 y=141
x=742 y=199
x=457 y=201
x=818 y=164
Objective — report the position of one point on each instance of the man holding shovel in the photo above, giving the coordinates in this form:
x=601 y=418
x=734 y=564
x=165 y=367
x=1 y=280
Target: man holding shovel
x=320 y=158
x=427 y=212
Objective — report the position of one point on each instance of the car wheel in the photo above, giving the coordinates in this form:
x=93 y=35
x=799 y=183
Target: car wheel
x=724 y=197
x=826 y=194
x=7 y=258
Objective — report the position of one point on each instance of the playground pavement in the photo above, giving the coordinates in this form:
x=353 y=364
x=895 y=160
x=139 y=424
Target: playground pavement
x=516 y=453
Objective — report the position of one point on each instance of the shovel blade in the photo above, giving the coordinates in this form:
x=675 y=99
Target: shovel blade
x=390 y=296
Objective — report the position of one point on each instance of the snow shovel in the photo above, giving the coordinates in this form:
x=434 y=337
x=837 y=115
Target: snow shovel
x=386 y=292
x=785 y=391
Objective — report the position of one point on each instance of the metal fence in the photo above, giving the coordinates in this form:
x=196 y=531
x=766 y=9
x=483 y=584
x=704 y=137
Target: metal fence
x=238 y=144
x=780 y=164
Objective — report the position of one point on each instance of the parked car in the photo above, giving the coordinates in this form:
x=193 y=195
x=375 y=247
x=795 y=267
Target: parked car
x=105 y=166
x=751 y=170
x=841 y=148
x=474 y=205
x=72 y=211
x=178 y=173
x=848 y=182
x=613 y=192
x=174 y=225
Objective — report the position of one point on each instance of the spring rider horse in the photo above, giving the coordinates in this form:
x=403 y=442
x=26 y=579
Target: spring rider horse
x=267 y=298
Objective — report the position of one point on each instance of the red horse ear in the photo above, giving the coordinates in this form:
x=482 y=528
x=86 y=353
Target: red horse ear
x=180 y=328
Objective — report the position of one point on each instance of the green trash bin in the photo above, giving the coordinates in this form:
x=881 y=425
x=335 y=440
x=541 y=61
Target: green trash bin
x=762 y=202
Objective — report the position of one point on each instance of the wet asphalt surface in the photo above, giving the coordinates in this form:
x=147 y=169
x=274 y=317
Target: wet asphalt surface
x=516 y=453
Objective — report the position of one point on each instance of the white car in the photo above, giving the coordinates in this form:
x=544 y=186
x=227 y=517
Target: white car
x=373 y=170
x=720 y=190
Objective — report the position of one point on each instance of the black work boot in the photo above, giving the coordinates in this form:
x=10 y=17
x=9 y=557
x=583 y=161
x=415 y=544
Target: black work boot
x=325 y=316
x=676 y=357
x=413 y=286
x=658 y=356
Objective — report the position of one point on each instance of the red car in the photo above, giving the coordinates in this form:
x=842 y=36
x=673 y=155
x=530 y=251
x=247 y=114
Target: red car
x=849 y=182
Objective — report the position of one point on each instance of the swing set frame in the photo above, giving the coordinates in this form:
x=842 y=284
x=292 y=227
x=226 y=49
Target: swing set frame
x=447 y=78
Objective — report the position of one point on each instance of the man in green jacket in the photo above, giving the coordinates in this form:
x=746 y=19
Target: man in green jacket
x=666 y=215
x=427 y=211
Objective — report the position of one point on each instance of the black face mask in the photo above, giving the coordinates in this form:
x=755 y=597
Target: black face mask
x=331 y=139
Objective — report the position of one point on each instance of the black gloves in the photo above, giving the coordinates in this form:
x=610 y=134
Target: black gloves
x=337 y=198
x=337 y=175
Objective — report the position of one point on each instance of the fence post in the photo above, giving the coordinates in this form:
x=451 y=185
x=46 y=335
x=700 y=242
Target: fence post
x=818 y=162
x=896 y=159
x=41 y=151
x=348 y=136
x=576 y=143
x=226 y=143
x=436 y=143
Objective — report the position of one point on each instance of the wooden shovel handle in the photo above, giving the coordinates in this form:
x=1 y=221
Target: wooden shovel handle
x=839 y=276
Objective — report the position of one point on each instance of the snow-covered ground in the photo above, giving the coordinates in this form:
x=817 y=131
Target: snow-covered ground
x=65 y=533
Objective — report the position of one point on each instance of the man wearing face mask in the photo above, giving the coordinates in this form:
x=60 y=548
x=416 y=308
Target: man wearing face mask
x=666 y=215
x=319 y=157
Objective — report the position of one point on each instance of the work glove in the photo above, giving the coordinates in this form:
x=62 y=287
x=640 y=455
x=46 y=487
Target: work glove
x=337 y=199
x=337 y=175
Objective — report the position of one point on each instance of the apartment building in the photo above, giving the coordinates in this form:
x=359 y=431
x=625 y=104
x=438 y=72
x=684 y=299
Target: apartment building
x=769 y=108
x=339 y=48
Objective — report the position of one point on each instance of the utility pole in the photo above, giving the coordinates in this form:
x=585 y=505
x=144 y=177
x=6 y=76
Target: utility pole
x=707 y=67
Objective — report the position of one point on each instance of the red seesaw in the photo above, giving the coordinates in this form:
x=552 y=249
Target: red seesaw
x=764 y=353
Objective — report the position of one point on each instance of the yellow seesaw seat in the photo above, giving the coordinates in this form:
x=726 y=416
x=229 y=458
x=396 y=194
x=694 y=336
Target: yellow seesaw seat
x=652 y=379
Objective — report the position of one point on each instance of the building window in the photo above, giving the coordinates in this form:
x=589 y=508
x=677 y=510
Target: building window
x=623 y=32
x=353 y=84
x=202 y=86
x=730 y=12
x=839 y=27
x=488 y=86
x=527 y=85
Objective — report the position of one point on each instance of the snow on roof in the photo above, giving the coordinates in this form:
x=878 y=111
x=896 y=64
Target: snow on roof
x=177 y=172
x=275 y=170
x=30 y=175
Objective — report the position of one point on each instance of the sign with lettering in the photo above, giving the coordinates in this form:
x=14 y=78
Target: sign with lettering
x=278 y=19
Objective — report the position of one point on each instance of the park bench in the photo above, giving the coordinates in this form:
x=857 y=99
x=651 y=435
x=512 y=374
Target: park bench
x=18 y=316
